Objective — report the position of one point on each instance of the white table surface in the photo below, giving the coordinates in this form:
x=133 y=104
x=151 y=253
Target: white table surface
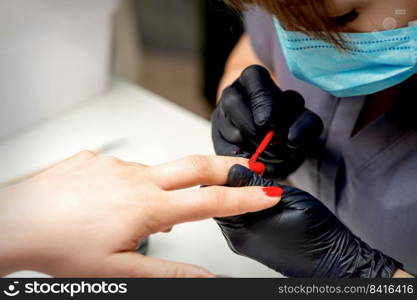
x=130 y=115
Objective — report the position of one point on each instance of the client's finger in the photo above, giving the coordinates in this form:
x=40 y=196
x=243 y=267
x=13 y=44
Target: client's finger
x=193 y=170
x=209 y=202
x=135 y=265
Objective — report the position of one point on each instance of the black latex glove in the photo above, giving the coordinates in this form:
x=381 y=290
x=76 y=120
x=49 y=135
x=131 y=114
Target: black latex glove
x=300 y=237
x=251 y=107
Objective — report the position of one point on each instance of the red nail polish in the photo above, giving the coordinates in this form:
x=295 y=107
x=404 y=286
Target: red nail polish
x=273 y=191
x=257 y=167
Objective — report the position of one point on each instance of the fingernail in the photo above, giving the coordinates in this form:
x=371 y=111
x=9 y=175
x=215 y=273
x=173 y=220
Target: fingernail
x=273 y=191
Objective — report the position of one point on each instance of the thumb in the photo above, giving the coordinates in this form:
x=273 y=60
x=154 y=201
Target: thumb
x=134 y=265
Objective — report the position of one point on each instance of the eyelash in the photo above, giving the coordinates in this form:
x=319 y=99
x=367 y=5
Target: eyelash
x=346 y=19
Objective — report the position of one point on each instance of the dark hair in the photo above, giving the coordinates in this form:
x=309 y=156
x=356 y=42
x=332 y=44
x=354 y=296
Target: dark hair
x=308 y=16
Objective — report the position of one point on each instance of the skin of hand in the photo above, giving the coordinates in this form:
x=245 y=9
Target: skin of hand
x=85 y=216
x=254 y=105
x=300 y=237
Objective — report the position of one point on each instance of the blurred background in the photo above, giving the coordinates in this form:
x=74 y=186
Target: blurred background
x=56 y=54
x=176 y=48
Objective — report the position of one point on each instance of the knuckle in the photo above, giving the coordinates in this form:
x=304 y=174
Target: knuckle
x=263 y=97
x=85 y=154
x=213 y=198
x=130 y=174
x=110 y=160
x=200 y=165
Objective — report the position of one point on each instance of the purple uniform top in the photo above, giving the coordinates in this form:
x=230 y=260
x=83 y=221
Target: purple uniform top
x=369 y=180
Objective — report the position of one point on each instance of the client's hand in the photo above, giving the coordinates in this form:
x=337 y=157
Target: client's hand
x=85 y=216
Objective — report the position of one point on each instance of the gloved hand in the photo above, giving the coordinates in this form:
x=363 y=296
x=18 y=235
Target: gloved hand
x=300 y=237
x=252 y=106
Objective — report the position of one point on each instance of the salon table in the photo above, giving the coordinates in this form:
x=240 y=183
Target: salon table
x=133 y=124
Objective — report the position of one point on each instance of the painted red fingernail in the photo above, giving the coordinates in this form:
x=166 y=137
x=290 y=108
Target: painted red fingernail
x=273 y=191
x=257 y=167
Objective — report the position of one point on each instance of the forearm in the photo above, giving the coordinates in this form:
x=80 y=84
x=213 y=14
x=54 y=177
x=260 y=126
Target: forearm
x=241 y=57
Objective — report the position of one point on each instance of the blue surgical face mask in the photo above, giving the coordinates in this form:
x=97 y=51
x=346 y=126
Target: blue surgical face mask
x=375 y=61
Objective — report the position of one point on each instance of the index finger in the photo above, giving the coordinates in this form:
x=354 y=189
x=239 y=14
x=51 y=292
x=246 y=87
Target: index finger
x=193 y=170
x=215 y=201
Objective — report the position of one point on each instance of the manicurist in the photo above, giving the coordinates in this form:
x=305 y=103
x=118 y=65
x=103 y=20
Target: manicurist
x=336 y=80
